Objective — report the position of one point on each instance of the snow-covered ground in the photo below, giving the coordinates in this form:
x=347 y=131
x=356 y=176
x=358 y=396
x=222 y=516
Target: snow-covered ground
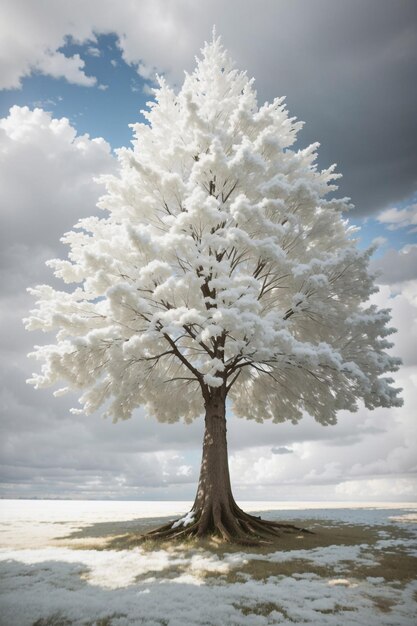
x=45 y=581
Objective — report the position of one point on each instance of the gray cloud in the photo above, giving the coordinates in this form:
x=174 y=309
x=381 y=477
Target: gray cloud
x=401 y=300
x=282 y=450
x=396 y=266
x=347 y=68
x=347 y=72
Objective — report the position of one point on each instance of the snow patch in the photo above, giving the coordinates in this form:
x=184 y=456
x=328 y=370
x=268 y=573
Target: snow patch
x=131 y=587
x=184 y=521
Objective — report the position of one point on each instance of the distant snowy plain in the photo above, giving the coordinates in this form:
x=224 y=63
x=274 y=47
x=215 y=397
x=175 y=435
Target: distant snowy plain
x=47 y=583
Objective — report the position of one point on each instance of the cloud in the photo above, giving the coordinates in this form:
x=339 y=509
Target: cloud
x=147 y=72
x=396 y=266
x=344 y=67
x=46 y=182
x=375 y=462
x=400 y=218
x=382 y=489
x=402 y=300
x=93 y=51
x=46 y=176
x=57 y=65
x=282 y=450
x=367 y=448
x=30 y=41
x=46 y=179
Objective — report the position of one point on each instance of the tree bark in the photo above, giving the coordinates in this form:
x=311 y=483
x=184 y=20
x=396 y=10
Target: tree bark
x=215 y=511
x=214 y=498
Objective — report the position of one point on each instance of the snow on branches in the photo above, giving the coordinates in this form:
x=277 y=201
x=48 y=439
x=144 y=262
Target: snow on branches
x=220 y=261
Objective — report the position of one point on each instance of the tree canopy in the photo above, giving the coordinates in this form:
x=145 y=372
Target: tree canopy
x=221 y=260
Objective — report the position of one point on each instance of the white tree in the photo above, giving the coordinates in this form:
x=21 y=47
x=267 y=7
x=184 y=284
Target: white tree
x=219 y=270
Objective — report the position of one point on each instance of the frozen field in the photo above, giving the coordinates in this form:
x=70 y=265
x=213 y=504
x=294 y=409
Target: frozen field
x=69 y=563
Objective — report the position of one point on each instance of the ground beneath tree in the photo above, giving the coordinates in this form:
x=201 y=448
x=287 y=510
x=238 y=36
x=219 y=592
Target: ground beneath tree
x=238 y=528
x=357 y=568
x=393 y=564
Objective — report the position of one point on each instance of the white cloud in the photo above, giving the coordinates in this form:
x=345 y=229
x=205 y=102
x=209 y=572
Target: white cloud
x=367 y=455
x=30 y=43
x=402 y=300
x=184 y=470
x=49 y=452
x=46 y=177
x=147 y=89
x=134 y=86
x=46 y=174
x=43 y=104
x=290 y=48
x=146 y=71
x=382 y=489
x=379 y=241
x=93 y=51
x=57 y=65
x=400 y=218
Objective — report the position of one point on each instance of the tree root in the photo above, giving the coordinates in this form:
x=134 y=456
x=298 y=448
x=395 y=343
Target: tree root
x=229 y=523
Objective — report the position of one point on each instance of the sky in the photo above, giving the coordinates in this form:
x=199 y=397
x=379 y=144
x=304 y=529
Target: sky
x=73 y=76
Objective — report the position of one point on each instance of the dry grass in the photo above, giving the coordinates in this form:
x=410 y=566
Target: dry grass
x=59 y=620
x=399 y=568
x=393 y=565
x=53 y=620
x=324 y=534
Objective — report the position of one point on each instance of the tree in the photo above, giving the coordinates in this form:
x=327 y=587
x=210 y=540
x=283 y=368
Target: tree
x=219 y=271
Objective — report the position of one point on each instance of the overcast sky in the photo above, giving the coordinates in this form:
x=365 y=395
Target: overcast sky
x=73 y=75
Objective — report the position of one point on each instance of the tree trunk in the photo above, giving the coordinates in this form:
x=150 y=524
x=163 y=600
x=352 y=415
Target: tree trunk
x=215 y=511
x=214 y=500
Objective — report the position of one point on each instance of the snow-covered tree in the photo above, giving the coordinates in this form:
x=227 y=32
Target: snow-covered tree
x=220 y=270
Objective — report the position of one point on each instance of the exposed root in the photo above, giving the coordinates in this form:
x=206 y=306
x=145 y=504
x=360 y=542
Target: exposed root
x=275 y=527
x=229 y=523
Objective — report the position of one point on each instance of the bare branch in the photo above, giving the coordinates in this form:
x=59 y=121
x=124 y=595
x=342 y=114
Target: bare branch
x=182 y=358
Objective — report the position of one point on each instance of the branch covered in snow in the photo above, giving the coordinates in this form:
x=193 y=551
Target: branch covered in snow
x=219 y=261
